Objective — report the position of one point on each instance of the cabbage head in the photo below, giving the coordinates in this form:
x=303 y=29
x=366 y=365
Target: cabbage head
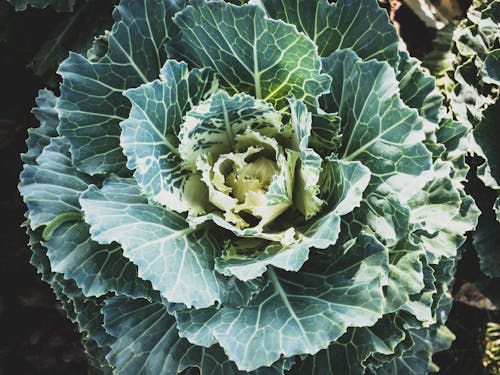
x=251 y=188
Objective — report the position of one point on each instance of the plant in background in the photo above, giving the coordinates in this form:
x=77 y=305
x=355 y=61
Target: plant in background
x=465 y=60
x=258 y=188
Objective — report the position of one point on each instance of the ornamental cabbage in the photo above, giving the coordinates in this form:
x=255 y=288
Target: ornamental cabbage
x=261 y=188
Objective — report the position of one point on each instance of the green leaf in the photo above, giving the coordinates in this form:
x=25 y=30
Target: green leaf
x=91 y=105
x=435 y=206
x=83 y=311
x=491 y=69
x=406 y=275
x=325 y=138
x=362 y=26
x=58 y=5
x=51 y=189
x=454 y=136
x=176 y=259
x=147 y=342
x=486 y=239
x=40 y=137
x=489 y=147
x=378 y=129
x=149 y=135
x=418 y=360
x=347 y=290
x=418 y=90
x=444 y=243
x=475 y=39
x=348 y=354
x=265 y=58
x=380 y=214
x=440 y=59
x=96 y=269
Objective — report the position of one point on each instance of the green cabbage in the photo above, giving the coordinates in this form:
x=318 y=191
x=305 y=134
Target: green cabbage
x=252 y=188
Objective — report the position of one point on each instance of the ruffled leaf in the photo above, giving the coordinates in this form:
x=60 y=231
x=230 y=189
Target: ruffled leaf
x=361 y=26
x=347 y=291
x=147 y=342
x=51 y=188
x=265 y=58
x=176 y=259
x=91 y=105
x=344 y=185
x=150 y=135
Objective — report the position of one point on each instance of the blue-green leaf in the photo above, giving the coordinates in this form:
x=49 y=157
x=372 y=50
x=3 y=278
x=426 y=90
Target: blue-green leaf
x=147 y=342
x=418 y=360
x=176 y=259
x=348 y=354
x=265 y=58
x=91 y=105
x=347 y=292
x=150 y=135
x=96 y=269
x=51 y=189
x=378 y=129
x=40 y=137
x=362 y=26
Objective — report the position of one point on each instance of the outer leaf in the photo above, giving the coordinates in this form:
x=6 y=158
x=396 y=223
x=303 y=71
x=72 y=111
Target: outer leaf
x=51 y=189
x=382 y=133
x=486 y=239
x=40 y=137
x=437 y=204
x=444 y=244
x=149 y=135
x=491 y=69
x=147 y=343
x=418 y=360
x=440 y=59
x=489 y=148
x=282 y=321
x=362 y=26
x=177 y=260
x=378 y=129
x=265 y=58
x=96 y=269
x=475 y=38
x=91 y=103
x=406 y=275
x=348 y=354
x=418 y=90
x=85 y=312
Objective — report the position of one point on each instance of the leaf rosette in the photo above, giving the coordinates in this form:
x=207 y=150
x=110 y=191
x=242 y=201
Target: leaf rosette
x=252 y=188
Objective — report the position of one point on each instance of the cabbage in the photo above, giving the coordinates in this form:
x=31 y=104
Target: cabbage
x=252 y=188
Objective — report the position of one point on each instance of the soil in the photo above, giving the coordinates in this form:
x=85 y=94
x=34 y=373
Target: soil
x=35 y=336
